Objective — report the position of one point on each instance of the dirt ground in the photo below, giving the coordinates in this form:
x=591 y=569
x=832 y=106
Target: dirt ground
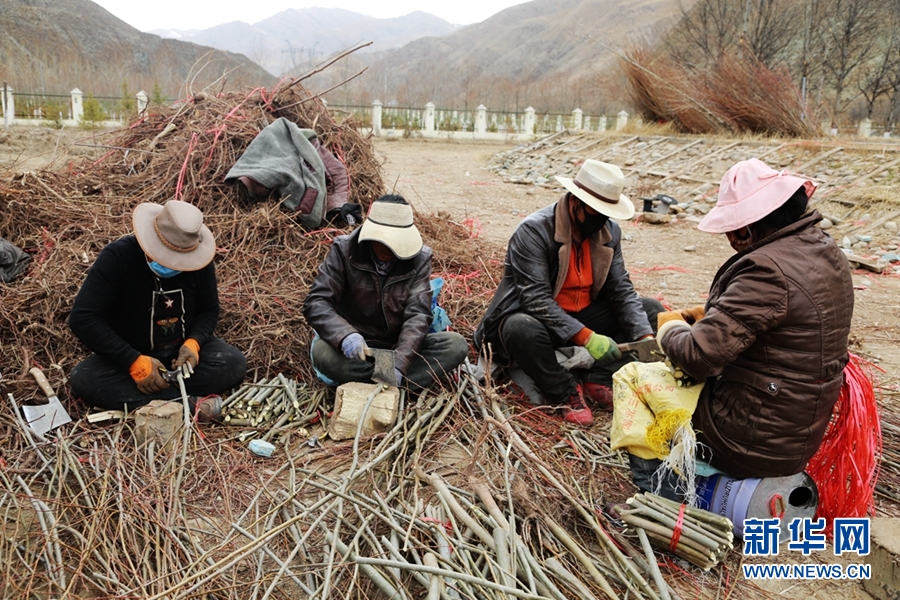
x=673 y=261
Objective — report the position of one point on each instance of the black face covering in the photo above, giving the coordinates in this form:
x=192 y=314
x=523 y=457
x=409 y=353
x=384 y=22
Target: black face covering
x=587 y=223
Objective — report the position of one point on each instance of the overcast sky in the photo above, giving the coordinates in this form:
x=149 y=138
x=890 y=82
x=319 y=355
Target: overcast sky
x=202 y=14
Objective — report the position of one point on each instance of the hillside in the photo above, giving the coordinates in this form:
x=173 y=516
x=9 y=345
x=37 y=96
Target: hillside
x=546 y=53
x=56 y=45
x=294 y=38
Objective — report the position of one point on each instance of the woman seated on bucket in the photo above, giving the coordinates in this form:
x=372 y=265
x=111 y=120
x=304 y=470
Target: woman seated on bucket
x=771 y=342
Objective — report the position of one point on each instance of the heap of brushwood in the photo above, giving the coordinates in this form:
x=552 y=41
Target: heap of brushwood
x=735 y=95
x=265 y=260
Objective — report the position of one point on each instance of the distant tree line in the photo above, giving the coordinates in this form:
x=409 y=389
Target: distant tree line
x=842 y=55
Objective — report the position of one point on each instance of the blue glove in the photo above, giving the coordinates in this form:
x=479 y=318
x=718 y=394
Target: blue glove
x=354 y=346
x=399 y=376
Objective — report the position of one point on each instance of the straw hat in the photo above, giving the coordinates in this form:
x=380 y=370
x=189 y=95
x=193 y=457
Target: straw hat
x=391 y=223
x=173 y=234
x=749 y=191
x=600 y=185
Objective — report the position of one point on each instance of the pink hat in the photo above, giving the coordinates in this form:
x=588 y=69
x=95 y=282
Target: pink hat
x=749 y=191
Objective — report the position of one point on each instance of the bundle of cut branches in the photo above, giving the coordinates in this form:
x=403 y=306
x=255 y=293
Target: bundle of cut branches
x=696 y=535
x=740 y=95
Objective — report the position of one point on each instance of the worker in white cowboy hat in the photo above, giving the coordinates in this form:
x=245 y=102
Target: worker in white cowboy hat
x=565 y=284
x=373 y=291
x=150 y=304
x=771 y=341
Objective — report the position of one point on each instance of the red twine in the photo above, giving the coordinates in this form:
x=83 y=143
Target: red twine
x=845 y=468
x=676 y=533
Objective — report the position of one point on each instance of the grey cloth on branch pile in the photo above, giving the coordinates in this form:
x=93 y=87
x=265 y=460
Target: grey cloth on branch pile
x=290 y=160
x=13 y=261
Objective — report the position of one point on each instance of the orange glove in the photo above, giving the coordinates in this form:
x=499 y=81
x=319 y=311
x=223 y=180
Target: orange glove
x=692 y=315
x=189 y=353
x=147 y=374
x=665 y=317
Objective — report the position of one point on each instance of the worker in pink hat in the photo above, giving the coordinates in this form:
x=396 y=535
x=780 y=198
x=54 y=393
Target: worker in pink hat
x=771 y=342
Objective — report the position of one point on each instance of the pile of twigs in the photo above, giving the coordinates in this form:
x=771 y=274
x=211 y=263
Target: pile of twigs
x=463 y=498
x=738 y=95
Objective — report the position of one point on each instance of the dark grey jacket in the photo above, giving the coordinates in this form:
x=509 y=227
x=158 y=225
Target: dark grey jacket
x=348 y=295
x=772 y=346
x=532 y=278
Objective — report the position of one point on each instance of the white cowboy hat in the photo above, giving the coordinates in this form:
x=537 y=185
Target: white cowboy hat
x=600 y=185
x=173 y=234
x=391 y=223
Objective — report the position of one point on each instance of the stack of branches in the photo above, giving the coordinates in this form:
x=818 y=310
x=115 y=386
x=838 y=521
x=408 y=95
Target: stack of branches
x=463 y=498
x=265 y=261
x=737 y=95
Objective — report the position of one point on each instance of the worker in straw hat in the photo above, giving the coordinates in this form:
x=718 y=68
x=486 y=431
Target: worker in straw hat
x=771 y=341
x=373 y=291
x=565 y=284
x=150 y=304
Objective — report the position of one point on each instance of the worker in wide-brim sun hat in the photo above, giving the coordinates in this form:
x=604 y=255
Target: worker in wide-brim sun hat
x=771 y=341
x=150 y=303
x=173 y=235
x=374 y=291
x=565 y=286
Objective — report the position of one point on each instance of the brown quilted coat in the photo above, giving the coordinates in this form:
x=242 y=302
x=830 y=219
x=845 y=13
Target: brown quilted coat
x=772 y=347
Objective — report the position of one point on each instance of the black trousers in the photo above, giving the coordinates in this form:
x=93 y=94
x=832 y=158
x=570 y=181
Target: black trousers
x=529 y=343
x=441 y=353
x=105 y=385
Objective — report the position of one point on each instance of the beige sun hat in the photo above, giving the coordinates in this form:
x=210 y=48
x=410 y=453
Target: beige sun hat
x=173 y=234
x=391 y=223
x=600 y=186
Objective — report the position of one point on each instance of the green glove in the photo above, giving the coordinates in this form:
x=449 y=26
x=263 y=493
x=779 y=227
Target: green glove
x=602 y=348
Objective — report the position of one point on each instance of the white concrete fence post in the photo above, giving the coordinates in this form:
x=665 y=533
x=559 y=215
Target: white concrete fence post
x=429 y=117
x=601 y=123
x=529 y=121
x=577 y=119
x=77 y=104
x=376 y=117
x=621 y=120
x=559 y=123
x=9 y=105
x=481 y=119
x=865 y=128
x=142 y=101
x=587 y=123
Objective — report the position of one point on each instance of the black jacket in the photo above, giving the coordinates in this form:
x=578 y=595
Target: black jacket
x=349 y=296
x=124 y=310
x=532 y=278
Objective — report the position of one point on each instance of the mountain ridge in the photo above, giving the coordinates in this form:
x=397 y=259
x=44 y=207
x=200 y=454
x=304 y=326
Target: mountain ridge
x=293 y=37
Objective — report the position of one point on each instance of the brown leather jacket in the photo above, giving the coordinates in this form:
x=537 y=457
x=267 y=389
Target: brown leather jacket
x=348 y=295
x=772 y=347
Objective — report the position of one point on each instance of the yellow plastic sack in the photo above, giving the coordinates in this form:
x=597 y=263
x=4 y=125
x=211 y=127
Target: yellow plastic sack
x=648 y=408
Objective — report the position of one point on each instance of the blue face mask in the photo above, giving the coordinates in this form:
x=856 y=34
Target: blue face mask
x=161 y=271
